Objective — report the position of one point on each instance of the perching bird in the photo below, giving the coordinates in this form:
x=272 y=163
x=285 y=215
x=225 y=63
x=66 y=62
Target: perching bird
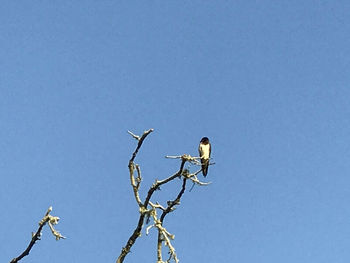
x=204 y=152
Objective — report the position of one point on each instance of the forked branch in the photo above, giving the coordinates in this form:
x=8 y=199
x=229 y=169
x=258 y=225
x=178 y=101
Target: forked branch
x=135 y=181
x=47 y=219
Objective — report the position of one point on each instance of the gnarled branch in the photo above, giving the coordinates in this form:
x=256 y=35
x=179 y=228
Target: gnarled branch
x=163 y=234
x=51 y=220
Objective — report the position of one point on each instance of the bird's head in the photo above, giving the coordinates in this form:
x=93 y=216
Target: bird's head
x=205 y=140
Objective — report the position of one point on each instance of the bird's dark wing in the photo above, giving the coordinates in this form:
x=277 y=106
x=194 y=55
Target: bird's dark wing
x=205 y=166
x=209 y=150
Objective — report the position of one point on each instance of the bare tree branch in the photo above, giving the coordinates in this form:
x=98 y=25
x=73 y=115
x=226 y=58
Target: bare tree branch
x=145 y=134
x=157 y=184
x=163 y=234
x=135 y=183
x=143 y=206
x=171 y=204
x=163 y=237
x=51 y=220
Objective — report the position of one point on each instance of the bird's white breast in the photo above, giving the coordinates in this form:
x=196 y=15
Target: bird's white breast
x=205 y=149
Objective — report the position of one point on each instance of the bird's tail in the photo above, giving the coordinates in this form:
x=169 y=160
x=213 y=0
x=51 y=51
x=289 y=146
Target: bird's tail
x=205 y=169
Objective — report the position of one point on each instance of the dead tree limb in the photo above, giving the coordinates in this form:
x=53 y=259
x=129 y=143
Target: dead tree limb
x=135 y=181
x=161 y=238
x=51 y=220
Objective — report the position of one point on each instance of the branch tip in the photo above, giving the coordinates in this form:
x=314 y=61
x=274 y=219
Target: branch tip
x=51 y=220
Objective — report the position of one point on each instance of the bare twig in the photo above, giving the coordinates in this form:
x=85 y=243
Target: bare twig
x=171 y=204
x=135 y=183
x=134 y=136
x=193 y=177
x=163 y=236
x=51 y=220
x=157 y=184
x=191 y=159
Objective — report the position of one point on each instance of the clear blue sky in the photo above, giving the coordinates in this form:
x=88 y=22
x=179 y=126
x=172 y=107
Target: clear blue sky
x=267 y=81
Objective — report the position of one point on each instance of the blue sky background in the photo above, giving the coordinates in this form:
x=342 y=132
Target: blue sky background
x=266 y=81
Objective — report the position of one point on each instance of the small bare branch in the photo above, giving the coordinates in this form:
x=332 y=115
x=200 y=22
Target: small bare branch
x=162 y=235
x=138 y=178
x=189 y=158
x=148 y=229
x=135 y=183
x=193 y=177
x=157 y=184
x=51 y=220
x=173 y=156
x=140 y=140
x=134 y=136
x=157 y=205
x=166 y=236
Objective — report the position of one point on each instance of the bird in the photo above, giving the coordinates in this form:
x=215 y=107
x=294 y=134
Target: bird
x=204 y=150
